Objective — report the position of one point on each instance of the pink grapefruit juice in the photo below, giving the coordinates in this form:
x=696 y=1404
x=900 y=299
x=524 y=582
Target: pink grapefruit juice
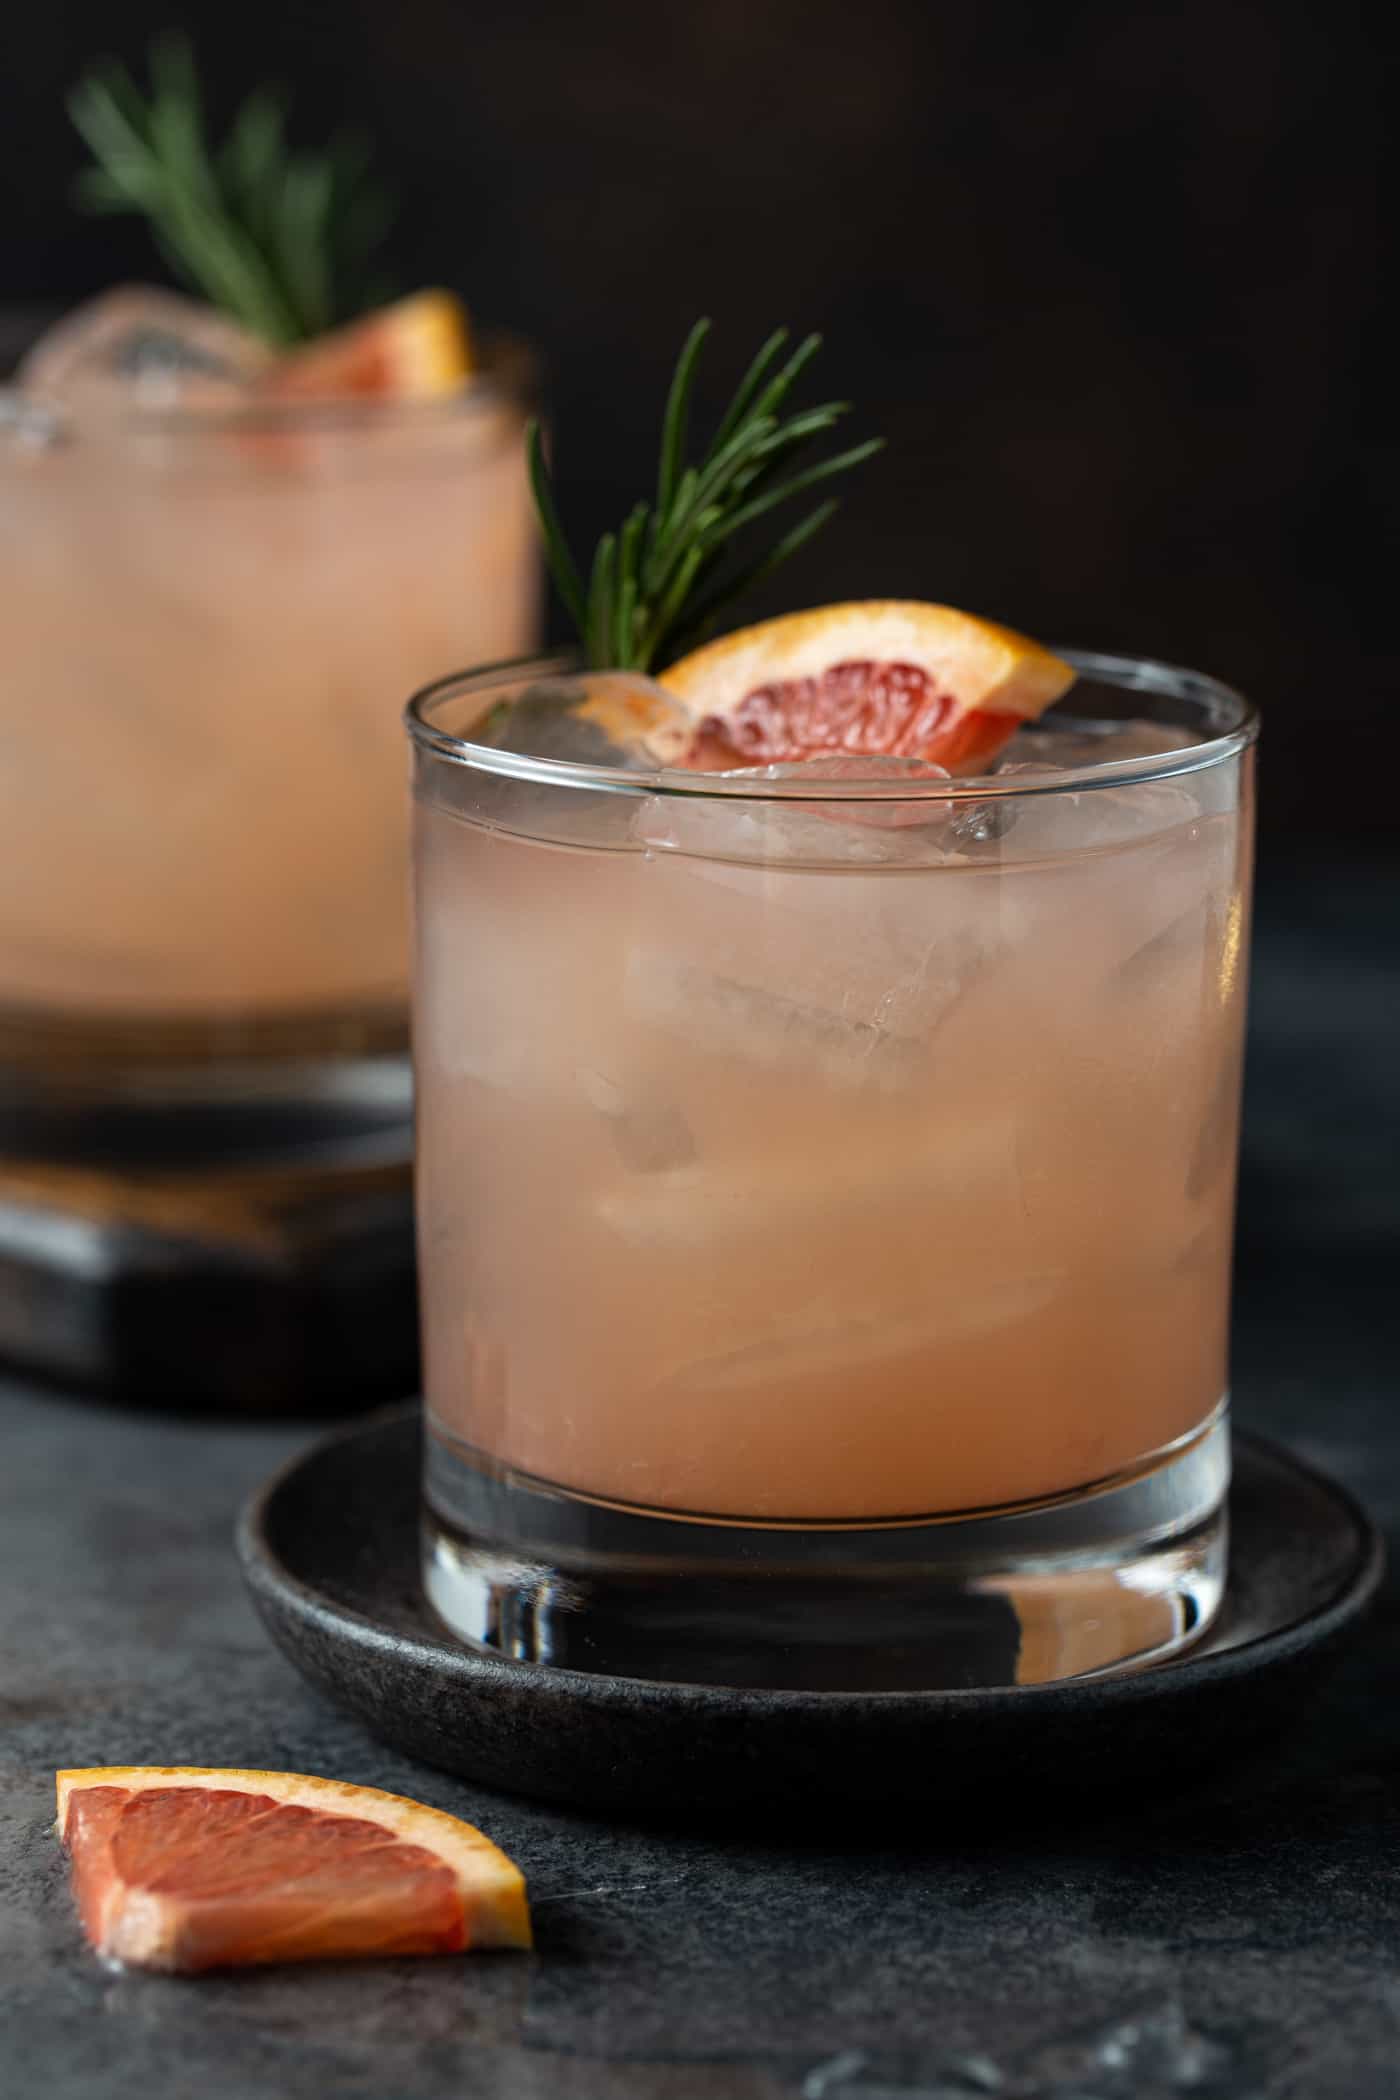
x=777 y=1171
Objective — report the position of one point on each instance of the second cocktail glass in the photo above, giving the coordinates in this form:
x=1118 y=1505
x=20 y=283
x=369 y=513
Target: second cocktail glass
x=208 y=615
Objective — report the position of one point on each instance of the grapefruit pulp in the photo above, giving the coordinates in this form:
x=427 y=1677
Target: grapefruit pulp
x=889 y=678
x=185 y=1868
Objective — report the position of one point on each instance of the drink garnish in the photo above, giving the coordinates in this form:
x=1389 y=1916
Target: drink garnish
x=881 y=679
x=418 y=348
x=886 y=679
x=184 y=1868
x=657 y=586
x=282 y=238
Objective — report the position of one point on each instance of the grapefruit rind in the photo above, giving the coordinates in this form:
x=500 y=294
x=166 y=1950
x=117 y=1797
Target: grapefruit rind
x=489 y=1885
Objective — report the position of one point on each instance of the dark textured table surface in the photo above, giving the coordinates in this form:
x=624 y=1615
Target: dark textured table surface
x=1241 y=1939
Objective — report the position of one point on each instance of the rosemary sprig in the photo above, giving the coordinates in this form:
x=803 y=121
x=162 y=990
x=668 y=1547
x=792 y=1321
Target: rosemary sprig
x=281 y=239
x=657 y=586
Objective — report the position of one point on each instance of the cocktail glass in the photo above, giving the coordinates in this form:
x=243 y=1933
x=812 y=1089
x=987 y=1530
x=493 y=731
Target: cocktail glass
x=207 y=616
x=825 y=1198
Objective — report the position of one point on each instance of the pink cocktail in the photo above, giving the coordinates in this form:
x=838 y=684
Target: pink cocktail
x=826 y=1196
x=208 y=617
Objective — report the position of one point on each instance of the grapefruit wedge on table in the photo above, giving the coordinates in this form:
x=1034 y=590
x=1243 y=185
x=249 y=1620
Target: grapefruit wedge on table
x=183 y=1868
x=888 y=677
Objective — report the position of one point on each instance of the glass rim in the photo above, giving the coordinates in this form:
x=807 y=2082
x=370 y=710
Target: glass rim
x=1128 y=673
x=507 y=376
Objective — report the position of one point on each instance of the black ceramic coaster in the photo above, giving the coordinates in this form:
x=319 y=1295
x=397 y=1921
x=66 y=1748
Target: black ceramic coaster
x=330 y=1553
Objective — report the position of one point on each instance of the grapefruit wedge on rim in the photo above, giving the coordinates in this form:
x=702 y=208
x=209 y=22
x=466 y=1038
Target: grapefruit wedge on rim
x=415 y=350
x=186 y=1868
x=886 y=677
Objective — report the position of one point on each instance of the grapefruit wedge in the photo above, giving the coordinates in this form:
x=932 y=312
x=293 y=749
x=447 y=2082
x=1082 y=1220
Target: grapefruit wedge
x=183 y=1868
x=417 y=349
x=887 y=677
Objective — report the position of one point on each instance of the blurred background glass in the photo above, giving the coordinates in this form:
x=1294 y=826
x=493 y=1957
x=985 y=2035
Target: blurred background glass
x=210 y=618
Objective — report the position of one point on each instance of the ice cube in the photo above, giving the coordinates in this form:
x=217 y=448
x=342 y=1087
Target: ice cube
x=652 y=1136
x=599 y=718
x=1060 y=742
x=876 y=767
x=766 y=933
x=1085 y=820
x=976 y=825
x=1079 y=819
x=773 y=931
x=1090 y=817
x=753 y=1021
x=958 y=1165
x=833 y=1345
x=29 y=425
x=151 y=348
x=835 y=833
x=836 y=765
x=821 y=1232
x=757 y=833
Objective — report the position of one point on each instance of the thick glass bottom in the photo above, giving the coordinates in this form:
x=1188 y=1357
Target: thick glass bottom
x=1118 y=1576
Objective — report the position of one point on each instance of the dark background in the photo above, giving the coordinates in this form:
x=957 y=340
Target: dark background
x=1110 y=279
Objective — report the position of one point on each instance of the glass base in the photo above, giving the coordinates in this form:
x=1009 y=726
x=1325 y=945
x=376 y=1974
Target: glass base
x=1118 y=1576
x=205 y=1118
x=65 y=1073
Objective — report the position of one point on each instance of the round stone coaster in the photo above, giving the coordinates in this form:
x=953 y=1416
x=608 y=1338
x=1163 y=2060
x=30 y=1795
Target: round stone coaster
x=329 y=1550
